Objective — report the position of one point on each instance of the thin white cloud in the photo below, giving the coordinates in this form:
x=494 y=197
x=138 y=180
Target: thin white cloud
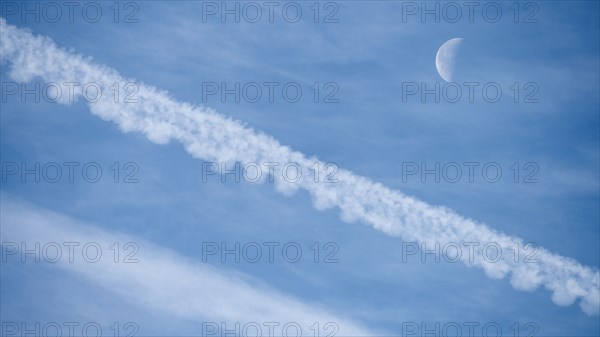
x=161 y=279
x=211 y=136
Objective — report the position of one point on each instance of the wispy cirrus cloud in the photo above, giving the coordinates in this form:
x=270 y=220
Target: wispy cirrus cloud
x=209 y=135
x=163 y=280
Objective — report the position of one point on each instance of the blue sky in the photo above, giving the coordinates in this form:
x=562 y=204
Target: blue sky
x=369 y=53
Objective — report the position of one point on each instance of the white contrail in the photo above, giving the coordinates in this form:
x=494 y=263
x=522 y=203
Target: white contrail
x=212 y=136
x=164 y=280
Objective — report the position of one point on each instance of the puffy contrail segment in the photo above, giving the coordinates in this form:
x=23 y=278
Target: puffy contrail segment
x=209 y=135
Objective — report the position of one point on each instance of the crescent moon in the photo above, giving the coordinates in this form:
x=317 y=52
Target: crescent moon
x=446 y=58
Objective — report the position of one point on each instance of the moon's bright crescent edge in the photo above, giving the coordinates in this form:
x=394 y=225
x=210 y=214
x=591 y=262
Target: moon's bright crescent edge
x=445 y=58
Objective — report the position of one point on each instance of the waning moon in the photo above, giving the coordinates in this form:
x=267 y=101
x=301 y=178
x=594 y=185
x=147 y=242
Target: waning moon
x=446 y=58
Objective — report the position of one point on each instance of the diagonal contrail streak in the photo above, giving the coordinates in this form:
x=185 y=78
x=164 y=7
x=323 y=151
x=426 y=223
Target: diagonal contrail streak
x=209 y=135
